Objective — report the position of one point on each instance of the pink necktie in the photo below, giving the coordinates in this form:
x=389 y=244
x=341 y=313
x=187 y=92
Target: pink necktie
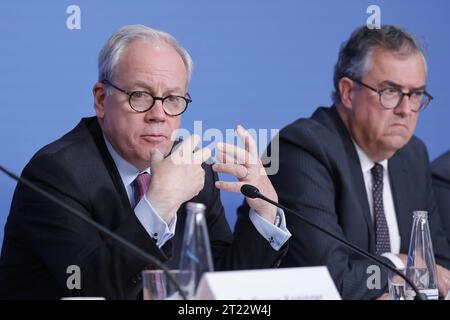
x=140 y=186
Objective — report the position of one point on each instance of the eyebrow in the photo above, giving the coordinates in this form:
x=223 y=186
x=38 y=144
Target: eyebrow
x=146 y=86
x=397 y=86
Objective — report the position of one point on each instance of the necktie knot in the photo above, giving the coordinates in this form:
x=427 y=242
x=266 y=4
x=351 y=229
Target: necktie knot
x=140 y=185
x=377 y=172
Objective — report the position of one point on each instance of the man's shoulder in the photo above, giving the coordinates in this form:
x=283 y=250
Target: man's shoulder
x=79 y=134
x=75 y=146
x=443 y=160
x=415 y=149
x=322 y=124
x=323 y=135
x=441 y=166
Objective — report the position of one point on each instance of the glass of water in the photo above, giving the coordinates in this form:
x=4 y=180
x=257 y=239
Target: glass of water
x=397 y=288
x=157 y=286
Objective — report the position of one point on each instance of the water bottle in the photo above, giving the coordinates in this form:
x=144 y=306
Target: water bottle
x=421 y=266
x=196 y=252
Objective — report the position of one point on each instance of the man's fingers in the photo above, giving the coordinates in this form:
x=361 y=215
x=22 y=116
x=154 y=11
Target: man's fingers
x=250 y=145
x=229 y=186
x=186 y=148
x=238 y=171
x=225 y=158
x=188 y=145
x=239 y=154
x=155 y=156
x=201 y=155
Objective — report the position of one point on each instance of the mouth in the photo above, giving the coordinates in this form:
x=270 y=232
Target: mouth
x=399 y=125
x=153 y=138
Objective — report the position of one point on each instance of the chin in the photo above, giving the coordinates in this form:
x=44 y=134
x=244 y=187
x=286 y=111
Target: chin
x=397 y=143
x=163 y=148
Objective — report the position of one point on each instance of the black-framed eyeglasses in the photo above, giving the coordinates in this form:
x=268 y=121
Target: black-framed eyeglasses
x=142 y=101
x=392 y=97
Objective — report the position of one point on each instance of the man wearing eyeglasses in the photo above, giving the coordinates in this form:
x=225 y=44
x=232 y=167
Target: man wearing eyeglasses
x=123 y=169
x=357 y=170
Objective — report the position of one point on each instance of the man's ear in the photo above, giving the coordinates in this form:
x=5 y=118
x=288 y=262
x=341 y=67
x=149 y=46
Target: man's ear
x=99 y=92
x=346 y=87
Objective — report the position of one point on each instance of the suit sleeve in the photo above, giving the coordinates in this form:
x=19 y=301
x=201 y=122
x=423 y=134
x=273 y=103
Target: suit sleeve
x=246 y=248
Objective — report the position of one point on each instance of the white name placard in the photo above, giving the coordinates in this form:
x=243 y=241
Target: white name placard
x=309 y=283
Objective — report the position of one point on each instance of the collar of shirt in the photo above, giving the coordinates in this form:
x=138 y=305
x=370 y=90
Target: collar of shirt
x=366 y=163
x=389 y=206
x=127 y=171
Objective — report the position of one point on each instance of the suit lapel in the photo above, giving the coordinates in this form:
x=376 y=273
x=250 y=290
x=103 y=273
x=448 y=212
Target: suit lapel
x=355 y=174
x=360 y=188
x=97 y=135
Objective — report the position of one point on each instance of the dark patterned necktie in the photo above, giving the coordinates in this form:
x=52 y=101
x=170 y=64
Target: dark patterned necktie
x=382 y=242
x=140 y=186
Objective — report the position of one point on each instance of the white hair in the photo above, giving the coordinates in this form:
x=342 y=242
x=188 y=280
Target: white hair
x=113 y=49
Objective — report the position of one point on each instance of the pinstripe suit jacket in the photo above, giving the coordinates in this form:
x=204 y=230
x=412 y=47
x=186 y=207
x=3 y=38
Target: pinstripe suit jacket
x=320 y=176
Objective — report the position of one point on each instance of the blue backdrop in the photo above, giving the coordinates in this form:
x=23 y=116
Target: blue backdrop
x=259 y=63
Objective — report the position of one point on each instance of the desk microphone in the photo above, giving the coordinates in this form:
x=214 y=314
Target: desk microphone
x=252 y=192
x=122 y=241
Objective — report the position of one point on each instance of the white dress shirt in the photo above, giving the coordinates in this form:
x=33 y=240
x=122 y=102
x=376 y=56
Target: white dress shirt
x=388 y=202
x=159 y=230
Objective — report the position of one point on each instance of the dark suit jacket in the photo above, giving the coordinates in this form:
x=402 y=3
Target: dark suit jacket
x=440 y=169
x=320 y=176
x=41 y=240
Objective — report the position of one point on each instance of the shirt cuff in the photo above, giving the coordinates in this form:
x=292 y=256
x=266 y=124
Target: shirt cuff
x=398 y=263
x=277 y=236
x=155 y=226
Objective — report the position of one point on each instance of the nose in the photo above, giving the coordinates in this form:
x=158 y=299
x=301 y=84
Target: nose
x=404 y=108
x=156 y=113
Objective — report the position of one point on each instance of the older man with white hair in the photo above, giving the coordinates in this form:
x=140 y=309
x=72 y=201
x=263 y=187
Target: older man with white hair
x=121 y=169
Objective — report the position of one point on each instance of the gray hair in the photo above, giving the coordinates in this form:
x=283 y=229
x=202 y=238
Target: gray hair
x=113 y=49
x=355 y=55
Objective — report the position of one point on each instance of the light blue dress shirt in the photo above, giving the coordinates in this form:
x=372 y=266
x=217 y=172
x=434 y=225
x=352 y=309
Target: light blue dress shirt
x=159 y=230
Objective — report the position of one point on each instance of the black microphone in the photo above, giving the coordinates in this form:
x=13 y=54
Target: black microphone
x=252 y=192
x=122 y=241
